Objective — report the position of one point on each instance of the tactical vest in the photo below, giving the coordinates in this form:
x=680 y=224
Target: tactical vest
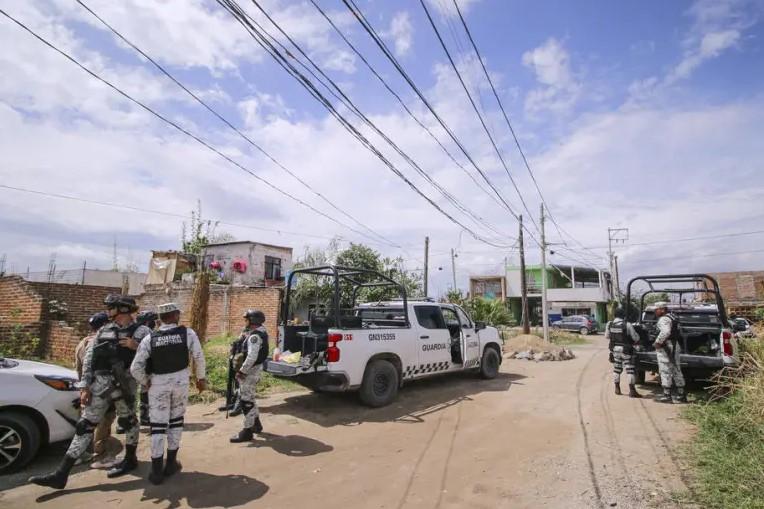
x=169 y=350
x=264 y=346
x=619 y=338
x=107 y=350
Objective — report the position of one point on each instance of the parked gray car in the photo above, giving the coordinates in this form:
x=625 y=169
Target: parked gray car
x=576 y=323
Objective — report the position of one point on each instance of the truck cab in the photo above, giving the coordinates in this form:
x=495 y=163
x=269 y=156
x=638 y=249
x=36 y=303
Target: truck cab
x=375 y=347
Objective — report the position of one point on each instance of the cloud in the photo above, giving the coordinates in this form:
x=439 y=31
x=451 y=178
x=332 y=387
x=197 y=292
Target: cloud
x=401 y=32
x=446 y=7
x=716 y=27
x=559 y=91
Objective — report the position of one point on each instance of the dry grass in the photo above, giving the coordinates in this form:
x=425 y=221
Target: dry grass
x=728 y=450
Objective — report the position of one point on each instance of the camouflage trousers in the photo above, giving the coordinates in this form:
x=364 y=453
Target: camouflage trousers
x=623 y=361
x=247 y=389
x=167 y=408
x=669 y=371
x=104 y=392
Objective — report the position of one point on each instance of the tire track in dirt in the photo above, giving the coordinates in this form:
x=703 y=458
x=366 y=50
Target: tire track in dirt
x=610 y=427
x=448 y=457
x=587 y=445
x=426 y=448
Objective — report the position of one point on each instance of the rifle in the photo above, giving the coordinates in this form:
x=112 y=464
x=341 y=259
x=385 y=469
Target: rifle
x=229 y=387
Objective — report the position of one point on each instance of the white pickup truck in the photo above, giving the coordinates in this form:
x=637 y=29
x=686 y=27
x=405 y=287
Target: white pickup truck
x=376 y=347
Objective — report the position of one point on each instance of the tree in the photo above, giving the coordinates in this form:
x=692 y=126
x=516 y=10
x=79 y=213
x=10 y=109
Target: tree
x=490 y=311
x=201 y=232
x=652 y=298
x=319 y=290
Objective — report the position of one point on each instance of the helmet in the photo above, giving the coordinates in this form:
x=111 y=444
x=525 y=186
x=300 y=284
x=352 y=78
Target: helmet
x=98 y=320
x=661 y=305
x=122 y=303
x=147 y=318
x=619 y=312
x=255 y=316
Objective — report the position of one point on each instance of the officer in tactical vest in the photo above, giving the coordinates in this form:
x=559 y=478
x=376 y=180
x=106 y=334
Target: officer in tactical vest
x=162 y=365
x=622 y=353
x=248 y=374
x=105 y=381
x=149 y=319
x=667 y=351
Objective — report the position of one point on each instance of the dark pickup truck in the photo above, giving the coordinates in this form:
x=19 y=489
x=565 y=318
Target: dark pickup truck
x=707 y=344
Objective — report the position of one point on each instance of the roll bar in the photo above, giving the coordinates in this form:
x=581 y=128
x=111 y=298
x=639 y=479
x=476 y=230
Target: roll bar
x=339 y=272
x=710 y=286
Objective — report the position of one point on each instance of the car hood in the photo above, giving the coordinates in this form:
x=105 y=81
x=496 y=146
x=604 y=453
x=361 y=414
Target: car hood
x=40 y=368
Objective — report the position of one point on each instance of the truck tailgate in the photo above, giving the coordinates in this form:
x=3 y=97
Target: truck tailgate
x=281 y=368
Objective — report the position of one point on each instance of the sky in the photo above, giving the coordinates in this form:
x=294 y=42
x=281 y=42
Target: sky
x=644 y=115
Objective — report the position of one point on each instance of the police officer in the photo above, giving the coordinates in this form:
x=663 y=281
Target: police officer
x=248 y=374
x=162 y=365
x=106 y=381
x=103 y=430
x=667 y=351
x=149 y=319
x=622 y=351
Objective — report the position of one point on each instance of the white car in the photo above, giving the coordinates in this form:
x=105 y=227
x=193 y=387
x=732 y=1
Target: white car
x=38 y=405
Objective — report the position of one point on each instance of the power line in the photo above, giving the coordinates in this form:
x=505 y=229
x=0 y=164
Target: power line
x=343 y=97
x=235 y=10
x=156 y=212
x=477 y=111
x=688 y=239
x=353 y=8
x=177 y=126
x=707 y=255
x=231 y=126
x=403 y=103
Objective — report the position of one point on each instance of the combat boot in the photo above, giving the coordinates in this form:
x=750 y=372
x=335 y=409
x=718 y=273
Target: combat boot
x=156 y=476
x=617 y=389
x=681 y=396
x=172 y=466
x=244 y=435
x=633 y=391
x=258 y=425
x=58 y=478
x=128 y=463
x=666 y=397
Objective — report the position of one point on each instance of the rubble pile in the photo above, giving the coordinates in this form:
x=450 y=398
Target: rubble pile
x=561 y=354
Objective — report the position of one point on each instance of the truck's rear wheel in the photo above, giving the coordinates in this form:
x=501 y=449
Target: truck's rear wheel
x=489 y=363
x=380 y=384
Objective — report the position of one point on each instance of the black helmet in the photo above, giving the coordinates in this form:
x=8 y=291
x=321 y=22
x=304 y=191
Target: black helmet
x=619 y=313
x=121 y=303
x=255 y=316
x=98 y=320
x=147 y=318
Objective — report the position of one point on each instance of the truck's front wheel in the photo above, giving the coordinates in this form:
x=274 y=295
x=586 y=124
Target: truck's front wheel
x=380 y=384
x=489 y=363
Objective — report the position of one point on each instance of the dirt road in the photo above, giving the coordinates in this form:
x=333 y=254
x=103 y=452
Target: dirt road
x=540 y=435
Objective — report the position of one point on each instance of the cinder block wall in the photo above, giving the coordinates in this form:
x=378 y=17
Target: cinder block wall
x=21 y=310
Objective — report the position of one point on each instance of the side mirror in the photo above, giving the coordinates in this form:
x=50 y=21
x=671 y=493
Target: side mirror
x=480 y=325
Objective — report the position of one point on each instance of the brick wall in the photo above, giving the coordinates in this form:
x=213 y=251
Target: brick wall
x=82 y=300
x=226 y=307
x=62 y=340
x=21 y=323
x=741 y=287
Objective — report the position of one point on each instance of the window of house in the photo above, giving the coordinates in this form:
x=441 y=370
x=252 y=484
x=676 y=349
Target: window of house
x=273 y=268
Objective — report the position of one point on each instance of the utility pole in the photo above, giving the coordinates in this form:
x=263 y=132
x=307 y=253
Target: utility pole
x=426 y=263
x=453 y=266
x=617 y=279
x=523 y=283
x=84 y=268
x=544 y=310
x=615 y=235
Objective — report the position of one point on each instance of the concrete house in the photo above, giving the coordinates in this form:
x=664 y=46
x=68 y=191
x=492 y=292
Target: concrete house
x=570 y=291
x=248 y=263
